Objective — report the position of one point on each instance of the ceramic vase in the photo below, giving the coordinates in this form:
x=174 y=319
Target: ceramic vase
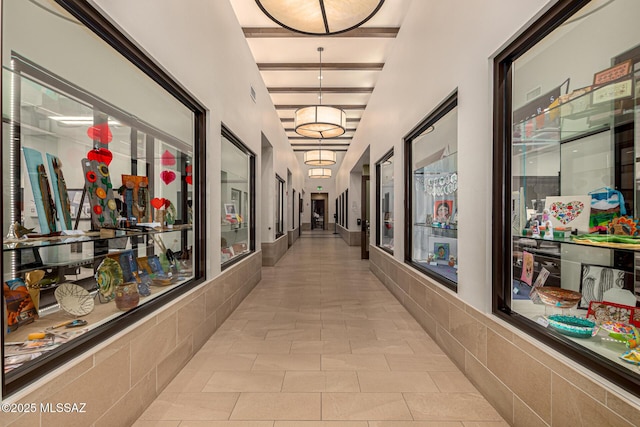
x=127 y=296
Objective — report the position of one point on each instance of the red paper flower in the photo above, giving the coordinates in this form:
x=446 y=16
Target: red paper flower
x=97 y=209
x=91 y=176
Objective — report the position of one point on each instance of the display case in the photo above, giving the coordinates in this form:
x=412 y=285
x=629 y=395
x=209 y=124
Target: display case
x=570 y=189
x=432 y=188
x=384 y=202
x=101 y=198
x=237 y=210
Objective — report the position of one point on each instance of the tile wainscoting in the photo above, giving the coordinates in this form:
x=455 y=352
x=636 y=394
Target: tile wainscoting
x=352 y=238
x=120 y=378
x=273 y=251
x=522 y=379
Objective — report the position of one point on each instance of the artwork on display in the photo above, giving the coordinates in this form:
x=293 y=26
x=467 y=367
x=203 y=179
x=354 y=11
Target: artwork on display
x=569 y=211
x=441 y=250
x=442 y=210
x=606 y=205
x=135 y=196
x=595 y=280
x=612 y=312
x=20 y=308
x=527 y=268
x=45 y=206
x=60 y=191
x=104 y=210
x=231 y=214
x=612 y=73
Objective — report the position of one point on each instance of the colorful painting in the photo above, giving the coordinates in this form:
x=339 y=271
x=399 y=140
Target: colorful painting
x=441 y=251
x=569 y=211
x=442 y=210
x=527 y=268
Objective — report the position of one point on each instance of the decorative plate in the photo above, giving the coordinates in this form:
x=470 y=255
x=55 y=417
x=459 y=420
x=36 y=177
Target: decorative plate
x=108 y=275
x=631 y=356
x=74 y=299
x=558 y=297
x=572 y=326
x=619 y=330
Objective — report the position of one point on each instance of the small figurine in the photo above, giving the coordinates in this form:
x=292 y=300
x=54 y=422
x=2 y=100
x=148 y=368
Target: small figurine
x=535 y=229
x=430 y=258
x=452 y=261
x=548 y=235
x=545 y=215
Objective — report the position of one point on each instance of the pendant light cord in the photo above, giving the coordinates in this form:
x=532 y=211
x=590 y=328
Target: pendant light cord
x=320 y=49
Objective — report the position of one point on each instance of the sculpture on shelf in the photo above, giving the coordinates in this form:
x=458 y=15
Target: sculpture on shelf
x=535 y=229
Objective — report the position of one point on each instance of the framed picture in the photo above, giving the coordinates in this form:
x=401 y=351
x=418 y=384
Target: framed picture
x=612 y=73
x=230 y=209
x=613 y=91
x=595 y=280
x=441 y=250
x=442 y=210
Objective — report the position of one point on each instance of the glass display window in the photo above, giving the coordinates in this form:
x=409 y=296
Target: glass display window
x=569 y=187
x=384 y=201
x=432 y=171
x=279 y=226
x=237 y=183
x=101 y=200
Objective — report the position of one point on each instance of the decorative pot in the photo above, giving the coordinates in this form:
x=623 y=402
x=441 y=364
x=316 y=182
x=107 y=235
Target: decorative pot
x=127 y=296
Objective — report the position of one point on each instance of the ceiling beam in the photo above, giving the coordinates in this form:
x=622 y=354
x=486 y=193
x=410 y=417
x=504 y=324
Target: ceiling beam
x=324 y=89
x=349 y=119
x=329 y=66
x=361 y=32
x=342 y=107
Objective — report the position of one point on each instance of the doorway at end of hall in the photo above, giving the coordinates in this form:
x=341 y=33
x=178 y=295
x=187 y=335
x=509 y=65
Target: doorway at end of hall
x=319 y=211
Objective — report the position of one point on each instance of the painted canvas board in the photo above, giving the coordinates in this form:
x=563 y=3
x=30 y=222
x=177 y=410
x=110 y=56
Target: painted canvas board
x=569 y=211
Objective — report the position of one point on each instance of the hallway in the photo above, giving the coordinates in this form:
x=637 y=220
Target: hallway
x=320 y=342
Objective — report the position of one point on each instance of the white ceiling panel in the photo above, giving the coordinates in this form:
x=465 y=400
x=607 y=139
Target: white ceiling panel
x=305 y=49
x=329 y=78
x=327 y=98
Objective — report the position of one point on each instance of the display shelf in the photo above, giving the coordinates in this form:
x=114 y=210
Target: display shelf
x=9 y=245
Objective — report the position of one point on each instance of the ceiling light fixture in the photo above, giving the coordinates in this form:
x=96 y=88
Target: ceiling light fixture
x=320 y=157
x=319 y=173
x=320 y=17
x=320 y=121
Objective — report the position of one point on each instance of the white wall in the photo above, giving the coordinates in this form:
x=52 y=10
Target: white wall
x=201 y=44
x=437 y=51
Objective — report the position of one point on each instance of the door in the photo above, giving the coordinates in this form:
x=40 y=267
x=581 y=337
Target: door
x=365 y=215
x=317 y=214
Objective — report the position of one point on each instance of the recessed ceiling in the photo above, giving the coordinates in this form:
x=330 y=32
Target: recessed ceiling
x=351 y=64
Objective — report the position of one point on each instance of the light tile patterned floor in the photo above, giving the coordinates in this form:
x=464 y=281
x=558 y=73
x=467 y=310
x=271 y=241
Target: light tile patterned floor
x=320 y=342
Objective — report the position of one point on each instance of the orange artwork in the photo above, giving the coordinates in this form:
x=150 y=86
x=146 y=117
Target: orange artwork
x=135 y=196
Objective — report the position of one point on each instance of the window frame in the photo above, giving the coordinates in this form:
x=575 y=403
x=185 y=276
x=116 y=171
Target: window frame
x=501 y=203
x=231 y=137
x=102 y=27
x=431 y=119
x=379 y=220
